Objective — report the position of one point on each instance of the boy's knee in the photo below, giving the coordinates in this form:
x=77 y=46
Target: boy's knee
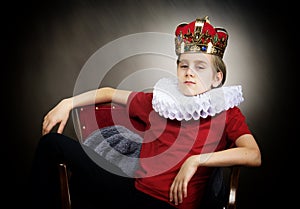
x=50 y=139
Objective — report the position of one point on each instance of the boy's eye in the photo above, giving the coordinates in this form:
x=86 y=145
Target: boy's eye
x=184 y=66
x=199 y=67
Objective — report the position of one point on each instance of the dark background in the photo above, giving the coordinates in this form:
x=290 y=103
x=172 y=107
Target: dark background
x=46 y=43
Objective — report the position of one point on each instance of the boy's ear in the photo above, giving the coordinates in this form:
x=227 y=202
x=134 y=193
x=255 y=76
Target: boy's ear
x=218 y=79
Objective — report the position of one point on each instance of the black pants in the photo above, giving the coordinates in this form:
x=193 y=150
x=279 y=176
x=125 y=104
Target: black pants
x=91 y=186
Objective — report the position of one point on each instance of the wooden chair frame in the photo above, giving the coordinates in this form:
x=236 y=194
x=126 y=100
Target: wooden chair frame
x=83 y=128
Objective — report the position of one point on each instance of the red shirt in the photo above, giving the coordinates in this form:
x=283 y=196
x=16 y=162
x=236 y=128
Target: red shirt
x=167 y=143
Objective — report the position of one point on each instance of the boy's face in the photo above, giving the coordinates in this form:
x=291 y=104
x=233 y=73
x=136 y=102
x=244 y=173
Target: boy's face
x=196 y=74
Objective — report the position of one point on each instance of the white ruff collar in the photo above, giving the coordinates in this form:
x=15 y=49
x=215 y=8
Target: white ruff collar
x=170 y=103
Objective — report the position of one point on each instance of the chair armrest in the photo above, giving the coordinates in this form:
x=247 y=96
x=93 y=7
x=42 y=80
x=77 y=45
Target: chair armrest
x=64 y=186
x=233 y=186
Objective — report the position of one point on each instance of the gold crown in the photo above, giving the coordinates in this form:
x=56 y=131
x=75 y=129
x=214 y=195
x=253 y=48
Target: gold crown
x=200 y=36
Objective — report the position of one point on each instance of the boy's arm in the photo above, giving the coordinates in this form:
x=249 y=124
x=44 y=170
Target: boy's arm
x=60 y=113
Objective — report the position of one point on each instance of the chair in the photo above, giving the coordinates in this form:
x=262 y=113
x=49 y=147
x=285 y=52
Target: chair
x=92 y=117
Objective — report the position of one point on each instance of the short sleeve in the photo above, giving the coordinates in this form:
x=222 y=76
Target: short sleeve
x=236 y=124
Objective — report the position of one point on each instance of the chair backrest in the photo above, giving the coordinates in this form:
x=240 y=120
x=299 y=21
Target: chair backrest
x=92 y=117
